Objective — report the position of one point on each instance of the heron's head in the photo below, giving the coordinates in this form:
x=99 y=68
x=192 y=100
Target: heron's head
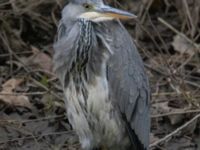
x=94 y=10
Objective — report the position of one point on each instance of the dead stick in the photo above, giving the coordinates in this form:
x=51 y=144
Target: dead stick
x=176 y=113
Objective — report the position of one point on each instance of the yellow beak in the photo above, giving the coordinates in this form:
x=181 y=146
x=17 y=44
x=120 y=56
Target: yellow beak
x=105 y=13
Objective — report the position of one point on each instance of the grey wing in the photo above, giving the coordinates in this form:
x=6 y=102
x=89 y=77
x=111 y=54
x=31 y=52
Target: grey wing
x=129 y=85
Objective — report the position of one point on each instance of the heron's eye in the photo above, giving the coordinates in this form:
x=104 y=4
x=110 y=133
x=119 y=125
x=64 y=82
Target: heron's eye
x=87 y=6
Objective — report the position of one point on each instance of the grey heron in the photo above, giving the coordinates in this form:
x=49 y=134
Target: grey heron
x=103 y=77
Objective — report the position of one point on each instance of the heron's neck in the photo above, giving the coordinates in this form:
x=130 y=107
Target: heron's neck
x=85 y=38
x=82 y=51
x=84 y=45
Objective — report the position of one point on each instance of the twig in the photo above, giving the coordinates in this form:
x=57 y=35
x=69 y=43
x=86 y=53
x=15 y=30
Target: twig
x=175 y=132
x=5 y=41
x=32 y=120
x=18 y=53
x=191 y=21
x=165 y=94
x=27 y=94
x=192 y=83
x=176 y=113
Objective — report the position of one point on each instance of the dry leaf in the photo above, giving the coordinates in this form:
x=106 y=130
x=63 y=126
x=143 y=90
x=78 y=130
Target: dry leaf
x=39 y=60
x=182 y=46
x=11 y=84
x=177 y=118
x=42 y=59
x=8 y=97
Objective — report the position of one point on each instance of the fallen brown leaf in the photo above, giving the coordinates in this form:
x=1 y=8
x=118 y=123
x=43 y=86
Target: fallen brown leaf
x=177 y=118
x=7 y=95
x=41 y=59
x=38 y=60
x=182 y=46
x=11 y=84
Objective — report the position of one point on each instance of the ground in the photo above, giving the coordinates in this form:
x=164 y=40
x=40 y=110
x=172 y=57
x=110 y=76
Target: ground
x=32 y=114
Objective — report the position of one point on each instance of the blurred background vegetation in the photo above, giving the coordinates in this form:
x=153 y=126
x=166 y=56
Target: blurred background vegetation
x=167 y=34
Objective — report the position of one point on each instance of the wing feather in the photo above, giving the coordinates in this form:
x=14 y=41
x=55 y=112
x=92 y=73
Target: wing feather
x=129 y=84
